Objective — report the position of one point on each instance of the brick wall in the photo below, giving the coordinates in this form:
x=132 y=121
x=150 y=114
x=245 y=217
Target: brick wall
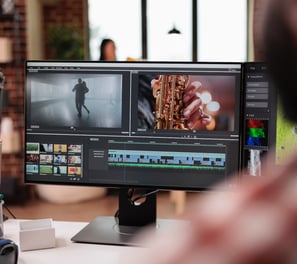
x=14 y=27
x=66 y=13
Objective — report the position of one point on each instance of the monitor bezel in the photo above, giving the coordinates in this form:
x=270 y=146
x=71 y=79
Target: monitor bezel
x=160 y=64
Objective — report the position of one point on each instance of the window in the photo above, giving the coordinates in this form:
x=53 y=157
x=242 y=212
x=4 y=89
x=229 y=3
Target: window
x=222 y=30
x=162 y=16
x=118 y=20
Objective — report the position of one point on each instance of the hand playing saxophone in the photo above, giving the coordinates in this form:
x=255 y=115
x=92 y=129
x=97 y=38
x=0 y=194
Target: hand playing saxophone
x=193 y=112
x=189 y=96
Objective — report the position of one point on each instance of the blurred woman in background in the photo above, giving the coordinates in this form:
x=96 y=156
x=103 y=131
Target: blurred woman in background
x=107 y=50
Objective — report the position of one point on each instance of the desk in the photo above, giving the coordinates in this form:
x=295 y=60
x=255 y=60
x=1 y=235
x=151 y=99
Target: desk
x=67 y=251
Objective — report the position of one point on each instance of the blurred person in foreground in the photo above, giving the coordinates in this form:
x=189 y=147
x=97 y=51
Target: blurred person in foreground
x=257 y=223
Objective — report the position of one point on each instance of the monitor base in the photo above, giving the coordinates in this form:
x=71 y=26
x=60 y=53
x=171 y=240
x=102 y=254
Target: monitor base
x=105 y=230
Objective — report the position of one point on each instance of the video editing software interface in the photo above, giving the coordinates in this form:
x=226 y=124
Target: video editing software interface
x=164 y=125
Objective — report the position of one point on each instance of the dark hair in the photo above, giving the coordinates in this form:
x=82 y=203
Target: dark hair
x=104 y=42
x=280 y=48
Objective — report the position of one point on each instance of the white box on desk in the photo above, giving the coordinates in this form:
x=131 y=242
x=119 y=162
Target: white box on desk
x=37 y=234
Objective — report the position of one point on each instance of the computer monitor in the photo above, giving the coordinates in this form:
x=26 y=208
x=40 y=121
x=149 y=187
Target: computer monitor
x=147 y=125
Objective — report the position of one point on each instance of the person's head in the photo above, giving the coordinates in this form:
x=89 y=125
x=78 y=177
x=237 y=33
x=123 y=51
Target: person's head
x=280 y=47
x=107 y=50
x=79 y=80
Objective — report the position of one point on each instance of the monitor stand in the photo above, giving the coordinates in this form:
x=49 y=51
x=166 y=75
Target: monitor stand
x=132 y=217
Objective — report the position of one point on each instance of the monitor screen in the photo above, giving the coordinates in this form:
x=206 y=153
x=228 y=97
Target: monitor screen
x=140 y=124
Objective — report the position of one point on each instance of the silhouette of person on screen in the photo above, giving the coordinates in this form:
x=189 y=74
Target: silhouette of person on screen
x=80 y=90
x=86 y=90
x=258 y=222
